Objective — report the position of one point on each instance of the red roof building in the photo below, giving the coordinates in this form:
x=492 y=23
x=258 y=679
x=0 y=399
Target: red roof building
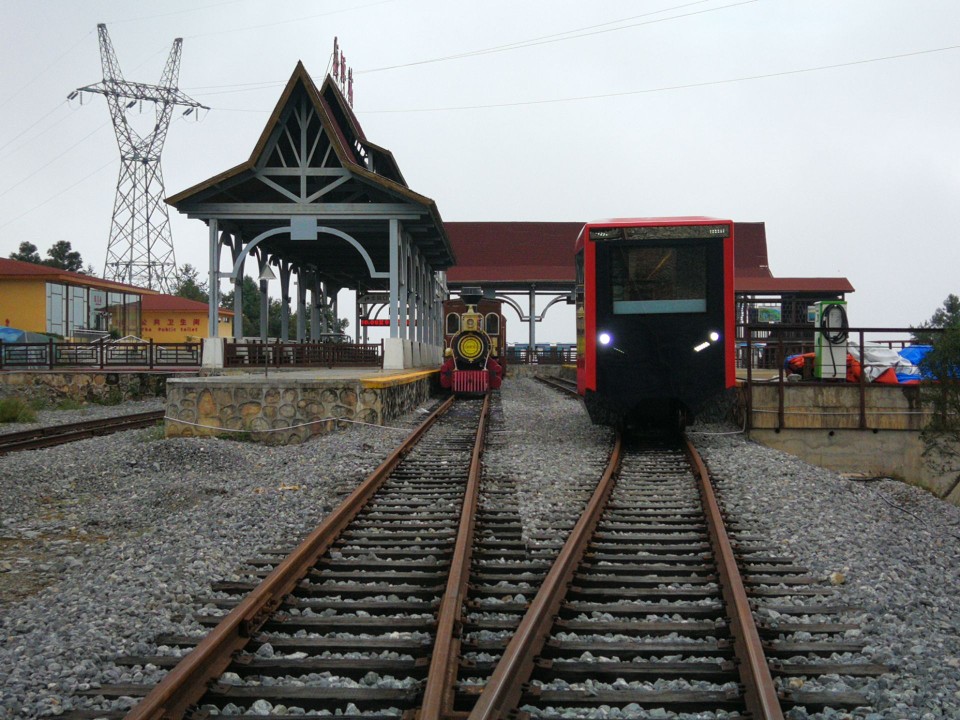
x=536 y=258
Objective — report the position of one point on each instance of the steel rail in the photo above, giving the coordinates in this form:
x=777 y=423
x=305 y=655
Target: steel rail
x=760 y=693
x=186 y=683
x=559 y=385
x=438 y=693
x=505 y=686
x=51 y=435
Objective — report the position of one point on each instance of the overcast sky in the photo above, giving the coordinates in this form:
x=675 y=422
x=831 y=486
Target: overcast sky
x=836 y=122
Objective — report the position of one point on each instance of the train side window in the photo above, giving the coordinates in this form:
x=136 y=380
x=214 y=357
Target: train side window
x=654 y=280
x=453 y=324
x=492 y=324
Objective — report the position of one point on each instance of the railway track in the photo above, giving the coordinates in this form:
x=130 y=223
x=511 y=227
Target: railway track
x=421 y=596
x=567 y=386
x=361 y=615
x=647 y=607
x=60 y=434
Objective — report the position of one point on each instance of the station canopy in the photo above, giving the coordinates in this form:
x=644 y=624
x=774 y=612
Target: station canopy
x=313 y=167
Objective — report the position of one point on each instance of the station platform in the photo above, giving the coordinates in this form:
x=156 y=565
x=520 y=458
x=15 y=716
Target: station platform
x=282 y=407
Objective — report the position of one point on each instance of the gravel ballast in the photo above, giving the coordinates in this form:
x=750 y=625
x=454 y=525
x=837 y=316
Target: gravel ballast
x=106 y=543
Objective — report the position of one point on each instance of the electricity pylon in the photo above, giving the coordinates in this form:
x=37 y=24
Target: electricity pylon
x=140 y=248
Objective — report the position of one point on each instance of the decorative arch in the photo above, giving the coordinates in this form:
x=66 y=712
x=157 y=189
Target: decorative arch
x=374 y=273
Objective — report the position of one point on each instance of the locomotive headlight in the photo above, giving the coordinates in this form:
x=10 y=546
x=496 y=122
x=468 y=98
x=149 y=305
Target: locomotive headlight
x=604 y=338
x=713 y=337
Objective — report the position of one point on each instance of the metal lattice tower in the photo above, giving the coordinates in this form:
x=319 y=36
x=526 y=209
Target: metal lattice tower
x=140 y=249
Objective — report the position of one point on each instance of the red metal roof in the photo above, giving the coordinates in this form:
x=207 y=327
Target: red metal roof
x=785 y=286
x=750 y=250
x=19 y=269
x=491 y=252
x=174 y=303
x=530 y=252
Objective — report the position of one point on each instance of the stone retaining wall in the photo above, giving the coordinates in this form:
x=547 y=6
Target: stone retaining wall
x=98 y=387
x=282 y=411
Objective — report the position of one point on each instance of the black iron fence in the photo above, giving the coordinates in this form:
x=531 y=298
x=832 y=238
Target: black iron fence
x=786 y=354
x=541 y=355
x=291 y=354
x=98 y=355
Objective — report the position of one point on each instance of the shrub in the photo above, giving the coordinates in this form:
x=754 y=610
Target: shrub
x=14 y=410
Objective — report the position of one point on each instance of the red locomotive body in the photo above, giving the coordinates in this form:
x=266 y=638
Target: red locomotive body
x=475 y=336
x=655 y=317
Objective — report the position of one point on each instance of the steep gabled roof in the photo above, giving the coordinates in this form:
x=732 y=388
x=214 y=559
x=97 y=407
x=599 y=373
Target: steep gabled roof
x=347 y=139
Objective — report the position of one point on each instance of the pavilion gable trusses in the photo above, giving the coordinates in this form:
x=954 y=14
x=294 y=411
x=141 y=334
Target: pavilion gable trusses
x=313 y=158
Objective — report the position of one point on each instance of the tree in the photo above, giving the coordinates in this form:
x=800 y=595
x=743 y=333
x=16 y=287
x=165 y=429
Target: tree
x=62 y=256
x=251 y=312
x=27 y=253
x=941 y=435
x=186 y=284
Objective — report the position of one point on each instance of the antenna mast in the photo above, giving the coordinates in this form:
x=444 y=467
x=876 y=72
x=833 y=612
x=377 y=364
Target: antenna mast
x=140 y=248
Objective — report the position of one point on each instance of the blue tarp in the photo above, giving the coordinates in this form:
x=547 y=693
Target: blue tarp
x=915 y=353
x=9 y=334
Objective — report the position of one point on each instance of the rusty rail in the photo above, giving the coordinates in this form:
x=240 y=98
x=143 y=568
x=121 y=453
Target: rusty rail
x=186 y=683
x=760 y=693
x=442 y=676
x=51 y=435
x=503 y=690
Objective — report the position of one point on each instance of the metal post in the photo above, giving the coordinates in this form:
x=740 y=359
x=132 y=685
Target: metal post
x=749 y=401
x=394 y=277
x=50 y=353
x=301 y=308
x=214 y=280
x=150 y=357
x=780 y=392
x=264 y=311
x=863 y=386
x=532 y=353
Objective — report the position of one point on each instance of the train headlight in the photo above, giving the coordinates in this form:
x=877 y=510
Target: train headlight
x=713 y=337
x=605 y=338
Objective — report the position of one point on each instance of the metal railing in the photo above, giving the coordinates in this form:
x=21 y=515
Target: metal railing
x=767 y=347
x=293 y=354
x=100 y=355
x=545 y=355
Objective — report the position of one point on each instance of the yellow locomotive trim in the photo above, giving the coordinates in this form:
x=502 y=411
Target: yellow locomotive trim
x=402 y=378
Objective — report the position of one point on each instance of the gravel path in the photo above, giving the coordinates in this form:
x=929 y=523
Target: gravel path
x=124 y=522
x=897 y=546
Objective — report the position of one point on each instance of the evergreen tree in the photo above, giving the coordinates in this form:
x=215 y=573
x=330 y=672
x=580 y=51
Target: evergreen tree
x=941 y=436
x=62 y=256
x=27 y=253
x=187 y=285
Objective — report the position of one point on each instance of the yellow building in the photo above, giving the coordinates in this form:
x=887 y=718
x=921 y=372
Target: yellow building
x=171 y=319
x=43 y=299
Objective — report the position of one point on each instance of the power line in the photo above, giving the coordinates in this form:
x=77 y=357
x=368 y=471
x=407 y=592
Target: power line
x=529 y=42
x=668 y=88
x=34 y=124
x=287 y=22
x=52 y=63
x=58 y=156
x=54 y=197
x=559 y=37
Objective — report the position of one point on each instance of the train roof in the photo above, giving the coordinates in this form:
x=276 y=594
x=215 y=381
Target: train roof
x=648 y=222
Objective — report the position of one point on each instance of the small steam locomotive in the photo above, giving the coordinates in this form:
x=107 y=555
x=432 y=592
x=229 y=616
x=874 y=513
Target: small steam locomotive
x=475 y=336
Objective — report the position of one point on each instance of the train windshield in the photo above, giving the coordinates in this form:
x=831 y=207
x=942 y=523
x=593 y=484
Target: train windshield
x=656 y=280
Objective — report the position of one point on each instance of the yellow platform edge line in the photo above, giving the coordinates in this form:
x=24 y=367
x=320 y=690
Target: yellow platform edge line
x=403 y=378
